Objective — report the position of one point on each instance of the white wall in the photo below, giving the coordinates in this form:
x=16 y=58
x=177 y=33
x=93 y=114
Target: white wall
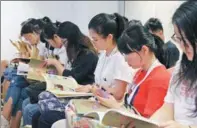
x=143 y=10
x=15 y=12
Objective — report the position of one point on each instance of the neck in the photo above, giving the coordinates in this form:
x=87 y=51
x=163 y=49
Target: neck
x=110 y=49
x=150 y=60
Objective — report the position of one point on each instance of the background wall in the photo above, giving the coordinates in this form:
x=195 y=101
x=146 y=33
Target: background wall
x=15 y=12
x=79 y=12
x=143 y=10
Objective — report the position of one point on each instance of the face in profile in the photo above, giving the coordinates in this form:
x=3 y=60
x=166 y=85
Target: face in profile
x=55 y=42
x=186 y=47
x=99 y=41
x=32 y=38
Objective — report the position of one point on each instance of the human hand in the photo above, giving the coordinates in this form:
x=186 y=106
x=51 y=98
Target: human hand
x=81 y=88
x=172 y=124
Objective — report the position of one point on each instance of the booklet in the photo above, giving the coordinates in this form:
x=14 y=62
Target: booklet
x=116 y=118
x=62 y=86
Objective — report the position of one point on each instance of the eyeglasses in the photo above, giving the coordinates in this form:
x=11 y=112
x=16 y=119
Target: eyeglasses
x=64 y=42
x=177 y=39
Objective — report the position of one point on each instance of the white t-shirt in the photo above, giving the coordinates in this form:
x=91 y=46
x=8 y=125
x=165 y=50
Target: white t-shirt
x=112 y=67
x=42 y=49
x=184 y=101
x=61 y=52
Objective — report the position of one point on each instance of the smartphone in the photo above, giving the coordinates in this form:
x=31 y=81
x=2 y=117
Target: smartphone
x=102 y=93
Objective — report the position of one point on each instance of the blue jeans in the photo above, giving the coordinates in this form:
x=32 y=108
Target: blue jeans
x=9 y=73
x=17 y=92
x=28 y=111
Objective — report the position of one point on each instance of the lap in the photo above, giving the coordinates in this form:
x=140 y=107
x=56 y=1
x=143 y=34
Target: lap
x=59 y=124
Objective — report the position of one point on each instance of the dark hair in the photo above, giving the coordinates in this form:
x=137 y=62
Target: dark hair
x=105 y=24
x=133 y=22
x=185 y=18
x=134 y=37
x=153 y=24
x=171 y=54
x=36 y=25
x=77 y=41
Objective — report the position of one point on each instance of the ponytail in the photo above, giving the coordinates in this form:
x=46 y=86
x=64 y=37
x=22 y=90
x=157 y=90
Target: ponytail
x=46 y=20
x=121 y=23
x=57 y=23
x=158 y=50
x=105 y=24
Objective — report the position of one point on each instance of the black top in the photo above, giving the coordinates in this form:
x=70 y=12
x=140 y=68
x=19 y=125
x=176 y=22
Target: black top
x=83 y=67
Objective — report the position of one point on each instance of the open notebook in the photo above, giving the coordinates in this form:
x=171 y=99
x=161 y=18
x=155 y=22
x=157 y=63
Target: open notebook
x=62 y=86
x=116 y=118
x=83 y=106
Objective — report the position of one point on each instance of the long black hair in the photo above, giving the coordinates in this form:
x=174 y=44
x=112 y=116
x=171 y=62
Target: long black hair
x=134 y=37
x=185 y=18
x=37 y=26
x=105 y=24
x=76 y=40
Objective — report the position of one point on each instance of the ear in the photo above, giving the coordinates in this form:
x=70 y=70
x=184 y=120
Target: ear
x=110 y=37
x=144 y=50
x=55 y=36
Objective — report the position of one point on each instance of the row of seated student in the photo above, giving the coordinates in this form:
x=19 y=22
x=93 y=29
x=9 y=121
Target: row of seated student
x=101 y=62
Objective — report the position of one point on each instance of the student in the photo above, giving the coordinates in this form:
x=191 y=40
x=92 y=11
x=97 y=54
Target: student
x=180 y=107
x=112 y=71
x=105 y=30
x=171 y=52
x=83 y=59
x=50 y=35
x=141 y=50
x=31 y=32
x=155 y=27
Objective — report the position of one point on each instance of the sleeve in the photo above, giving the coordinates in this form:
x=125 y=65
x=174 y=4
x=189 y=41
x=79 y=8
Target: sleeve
x=169 y=98
x=155 y=98
x=42 y=50
x=82 y=66
x=122 y=70
x=63 y=58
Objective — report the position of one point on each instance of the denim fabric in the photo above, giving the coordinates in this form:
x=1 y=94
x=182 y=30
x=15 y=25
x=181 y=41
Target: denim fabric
x=17 y=92
x=28 y=111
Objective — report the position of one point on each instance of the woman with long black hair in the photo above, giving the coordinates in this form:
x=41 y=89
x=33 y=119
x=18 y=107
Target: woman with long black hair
x=180 y=107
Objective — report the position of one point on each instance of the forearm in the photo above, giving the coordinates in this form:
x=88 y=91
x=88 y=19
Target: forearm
x=162 y=115
x=59 y=67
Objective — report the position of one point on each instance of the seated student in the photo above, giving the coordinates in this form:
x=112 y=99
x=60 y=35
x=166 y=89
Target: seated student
x=50 y=35
x=180 y=107
x=142 y=50
x=171 y=55
x=83 y=60
x=155 y=27
x=31 y=32
x=103 y=30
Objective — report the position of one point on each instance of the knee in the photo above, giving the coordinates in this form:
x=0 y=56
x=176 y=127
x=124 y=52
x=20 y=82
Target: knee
x=44 y=95
x=59 y=124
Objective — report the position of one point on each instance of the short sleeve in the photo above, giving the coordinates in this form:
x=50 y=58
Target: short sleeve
x=169 y=98
x=122 y=70
x=42 y=50
x=62 y=55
